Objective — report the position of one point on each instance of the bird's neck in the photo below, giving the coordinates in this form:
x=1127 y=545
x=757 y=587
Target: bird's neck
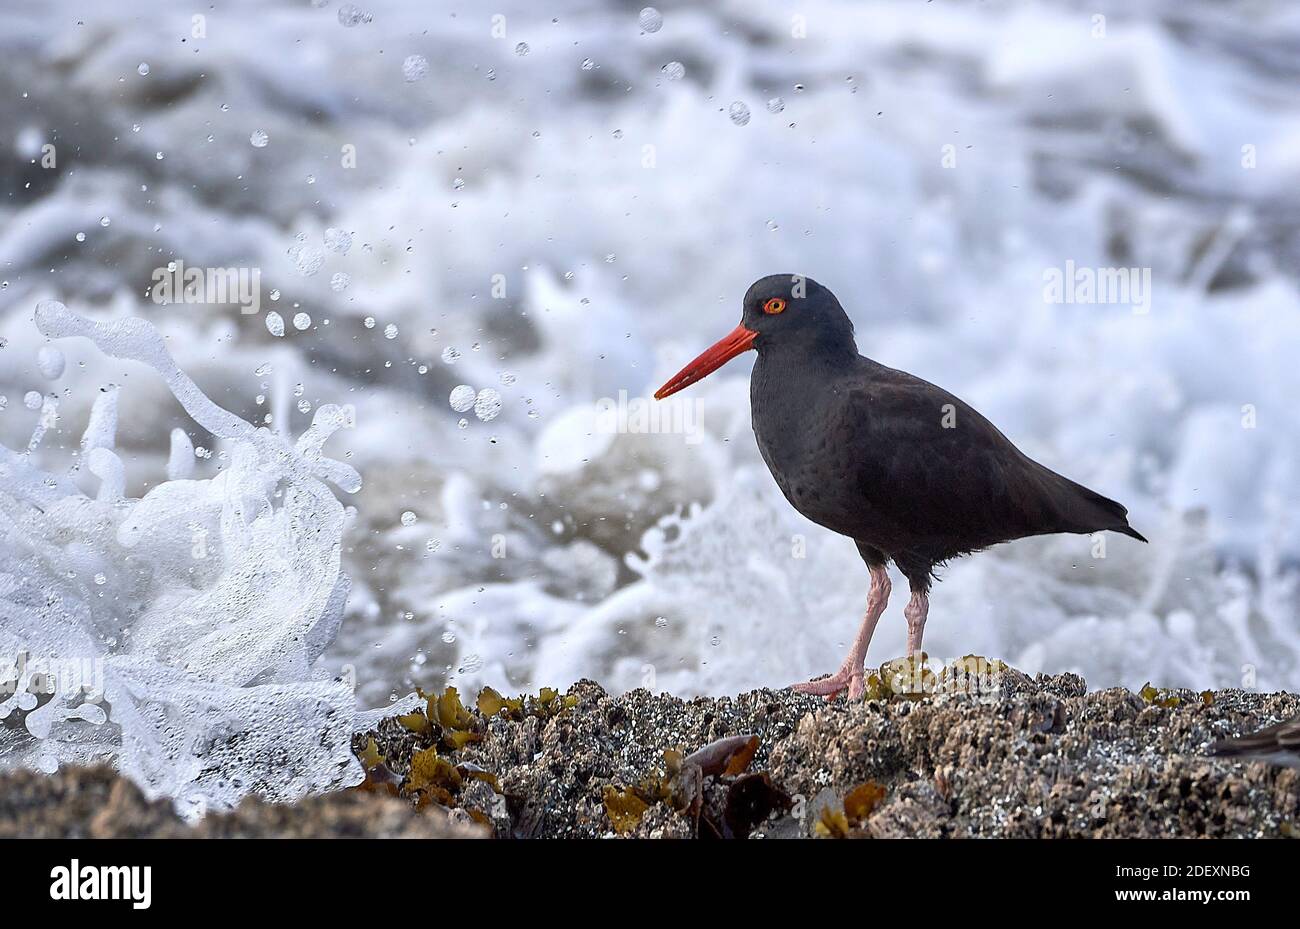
x=785 y=385
x=817 y=357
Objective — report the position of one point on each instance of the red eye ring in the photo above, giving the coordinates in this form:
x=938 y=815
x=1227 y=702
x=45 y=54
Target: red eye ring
x=774 y=306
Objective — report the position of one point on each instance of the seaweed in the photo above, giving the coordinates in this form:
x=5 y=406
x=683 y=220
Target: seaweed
x=445 y=726
x=546 y=704
x=379 y=777
x=750 y=799
x=912 y=678
x=839 y=822
x=624 y=807
x=415 y=722
x=1161 y=698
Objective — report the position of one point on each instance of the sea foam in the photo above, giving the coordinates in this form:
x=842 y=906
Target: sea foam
x=177 y=634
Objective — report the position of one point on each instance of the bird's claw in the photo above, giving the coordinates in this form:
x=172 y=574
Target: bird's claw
x=846 y=678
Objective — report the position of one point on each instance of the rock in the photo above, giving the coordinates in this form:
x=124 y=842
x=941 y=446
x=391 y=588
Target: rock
x=97 y=803
x=1030 y=757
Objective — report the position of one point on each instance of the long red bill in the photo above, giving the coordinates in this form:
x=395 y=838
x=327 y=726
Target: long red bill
x=728 y=347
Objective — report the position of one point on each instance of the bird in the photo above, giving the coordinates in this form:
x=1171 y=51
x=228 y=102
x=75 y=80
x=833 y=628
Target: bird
x=908 y=471
x=1278 y=743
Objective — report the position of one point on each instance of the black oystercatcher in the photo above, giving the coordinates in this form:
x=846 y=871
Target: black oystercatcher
x=905 y=469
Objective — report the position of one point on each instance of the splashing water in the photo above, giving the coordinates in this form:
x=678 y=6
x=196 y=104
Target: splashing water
x=177 y=634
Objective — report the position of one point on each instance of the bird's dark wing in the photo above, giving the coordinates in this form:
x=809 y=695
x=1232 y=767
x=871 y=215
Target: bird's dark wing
x=1284 y=737
x=937 y=478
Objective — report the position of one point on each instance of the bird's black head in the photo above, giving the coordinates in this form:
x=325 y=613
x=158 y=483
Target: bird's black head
x=781 y=313
x=792 y=310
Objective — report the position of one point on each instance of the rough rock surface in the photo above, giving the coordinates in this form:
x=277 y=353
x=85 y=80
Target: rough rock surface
x=98 y=803
x=1029 y=758
x=1033 y=758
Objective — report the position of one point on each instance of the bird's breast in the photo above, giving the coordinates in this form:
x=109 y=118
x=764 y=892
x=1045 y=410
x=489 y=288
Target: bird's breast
x=801 y=452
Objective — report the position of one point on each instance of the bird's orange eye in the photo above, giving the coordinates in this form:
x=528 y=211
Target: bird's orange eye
x=774 y=306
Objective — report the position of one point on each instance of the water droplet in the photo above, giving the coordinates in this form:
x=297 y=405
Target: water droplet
x=661 y=622
x=351 y=15
x=522 y=49
x=368 y=322
x=463 y=424
x=408 y=518
x=81 y=237
x=143 y=69
x=588 y=64
x=650 y=20
x=339 y=282
x=487 y=406
x=449 y=355
x=104 y=221
x=775 y=105
x=674 y=70
x=309 y=260
x=507 y=379
x=101 y=579
x=49 y=360
x=462 y=398
x=304 y=406
x=301 y=321
x=336 y=240
x=414 y=68
x=32 y=399
x=739 y=113
x=259 y=138
x=449 y=637
x=390 y=331
x=275 y=323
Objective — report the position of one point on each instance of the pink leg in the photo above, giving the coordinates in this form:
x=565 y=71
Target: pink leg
x=916 y=610
x=849 y=676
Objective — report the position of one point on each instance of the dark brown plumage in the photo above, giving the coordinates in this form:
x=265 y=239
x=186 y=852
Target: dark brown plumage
x=908 y=471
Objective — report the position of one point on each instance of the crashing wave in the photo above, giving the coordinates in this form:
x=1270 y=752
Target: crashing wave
x=177 y=634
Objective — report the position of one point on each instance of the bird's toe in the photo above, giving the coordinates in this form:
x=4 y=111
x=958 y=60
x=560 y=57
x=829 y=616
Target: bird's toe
x=831 y=686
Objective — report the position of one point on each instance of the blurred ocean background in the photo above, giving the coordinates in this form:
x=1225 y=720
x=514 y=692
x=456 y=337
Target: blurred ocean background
x=558 y=203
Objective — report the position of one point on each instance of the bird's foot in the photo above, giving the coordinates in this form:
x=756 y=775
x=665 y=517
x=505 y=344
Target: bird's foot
x=847 y=678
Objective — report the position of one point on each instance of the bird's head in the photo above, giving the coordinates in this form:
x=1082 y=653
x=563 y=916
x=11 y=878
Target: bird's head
x=786 y=310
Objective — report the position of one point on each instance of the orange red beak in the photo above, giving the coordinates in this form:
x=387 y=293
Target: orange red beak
x=737 y=341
